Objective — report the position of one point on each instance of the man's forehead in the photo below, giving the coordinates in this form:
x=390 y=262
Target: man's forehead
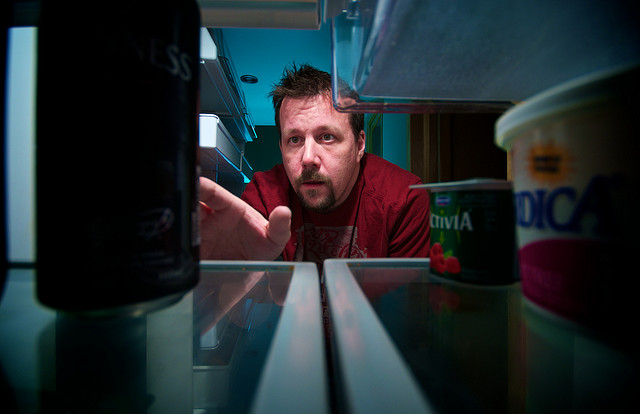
x=303 y=101
x=314 y=106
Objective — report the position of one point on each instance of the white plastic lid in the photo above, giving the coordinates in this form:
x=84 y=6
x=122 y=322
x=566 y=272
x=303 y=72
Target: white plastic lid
x=581 y=92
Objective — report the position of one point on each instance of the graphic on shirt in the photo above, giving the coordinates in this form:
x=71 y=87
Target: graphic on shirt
x=320 y=243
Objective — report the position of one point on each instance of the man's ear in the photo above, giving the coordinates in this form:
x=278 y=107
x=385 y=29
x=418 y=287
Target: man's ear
x=361 y=144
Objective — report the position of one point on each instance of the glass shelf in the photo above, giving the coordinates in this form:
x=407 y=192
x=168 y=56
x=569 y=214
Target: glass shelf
x=249 y=333
x=250 y=338
x=407 y=340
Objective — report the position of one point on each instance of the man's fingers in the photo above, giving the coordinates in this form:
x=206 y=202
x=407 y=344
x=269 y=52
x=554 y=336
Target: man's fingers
x=246 y=233
x=214 y=195
x=279 y=227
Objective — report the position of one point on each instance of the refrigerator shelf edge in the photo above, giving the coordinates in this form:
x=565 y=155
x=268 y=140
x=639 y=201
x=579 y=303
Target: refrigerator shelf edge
x=375 y=376
x=294 y=379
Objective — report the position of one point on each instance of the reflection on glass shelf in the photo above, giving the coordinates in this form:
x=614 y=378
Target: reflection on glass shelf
x=247 y=335
x=237 y=312
x=471 y=348
x=453 y=336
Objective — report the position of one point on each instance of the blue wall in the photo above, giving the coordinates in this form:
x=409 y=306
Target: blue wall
x=395 y=136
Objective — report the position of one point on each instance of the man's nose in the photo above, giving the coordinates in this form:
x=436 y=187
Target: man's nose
x=310 y=154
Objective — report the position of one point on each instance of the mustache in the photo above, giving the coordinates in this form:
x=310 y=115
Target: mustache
x=311 y=175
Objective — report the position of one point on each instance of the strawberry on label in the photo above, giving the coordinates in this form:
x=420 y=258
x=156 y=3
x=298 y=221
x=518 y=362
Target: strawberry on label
x=452 y=264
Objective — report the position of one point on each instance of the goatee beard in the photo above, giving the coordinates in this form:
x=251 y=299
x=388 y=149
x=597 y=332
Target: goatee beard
x=322 y=206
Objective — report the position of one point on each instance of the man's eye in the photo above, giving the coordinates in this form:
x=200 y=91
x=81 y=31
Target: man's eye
x=328 y=137
x=294 y=140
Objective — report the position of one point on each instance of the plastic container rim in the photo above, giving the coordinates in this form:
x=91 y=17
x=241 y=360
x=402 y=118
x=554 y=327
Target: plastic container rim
x=466 y=185
x=580 y=93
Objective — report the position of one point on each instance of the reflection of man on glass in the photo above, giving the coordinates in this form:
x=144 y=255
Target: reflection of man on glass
x=327 y=199
x=215 y=297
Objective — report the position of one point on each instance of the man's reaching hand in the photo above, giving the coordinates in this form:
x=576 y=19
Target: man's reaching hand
x=232 y=229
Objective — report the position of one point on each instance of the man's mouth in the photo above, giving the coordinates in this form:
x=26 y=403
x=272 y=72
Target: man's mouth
x=315 y=190
x=313 y=183
x=311 y=179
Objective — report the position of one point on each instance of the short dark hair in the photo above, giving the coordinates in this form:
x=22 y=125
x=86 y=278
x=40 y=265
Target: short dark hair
x=304 y=81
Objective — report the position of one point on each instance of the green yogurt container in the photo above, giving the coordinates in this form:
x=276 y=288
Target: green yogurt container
x=472 y=231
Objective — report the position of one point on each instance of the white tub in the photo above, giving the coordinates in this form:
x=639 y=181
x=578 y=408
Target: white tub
x=576 y=162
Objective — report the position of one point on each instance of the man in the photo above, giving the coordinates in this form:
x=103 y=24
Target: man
x=327 y=199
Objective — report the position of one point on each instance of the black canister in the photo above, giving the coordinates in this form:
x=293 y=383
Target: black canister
x=116 y=154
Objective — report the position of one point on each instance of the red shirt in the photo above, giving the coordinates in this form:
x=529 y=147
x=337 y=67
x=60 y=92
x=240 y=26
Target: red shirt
x=382 y=217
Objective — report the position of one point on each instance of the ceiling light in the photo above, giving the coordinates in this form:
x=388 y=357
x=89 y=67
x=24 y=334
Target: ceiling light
x=249 y=79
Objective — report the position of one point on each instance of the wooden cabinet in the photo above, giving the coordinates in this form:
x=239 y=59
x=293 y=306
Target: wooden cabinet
x=452 y=147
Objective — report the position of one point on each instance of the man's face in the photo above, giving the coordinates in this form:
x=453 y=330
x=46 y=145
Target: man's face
x=319 y=152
